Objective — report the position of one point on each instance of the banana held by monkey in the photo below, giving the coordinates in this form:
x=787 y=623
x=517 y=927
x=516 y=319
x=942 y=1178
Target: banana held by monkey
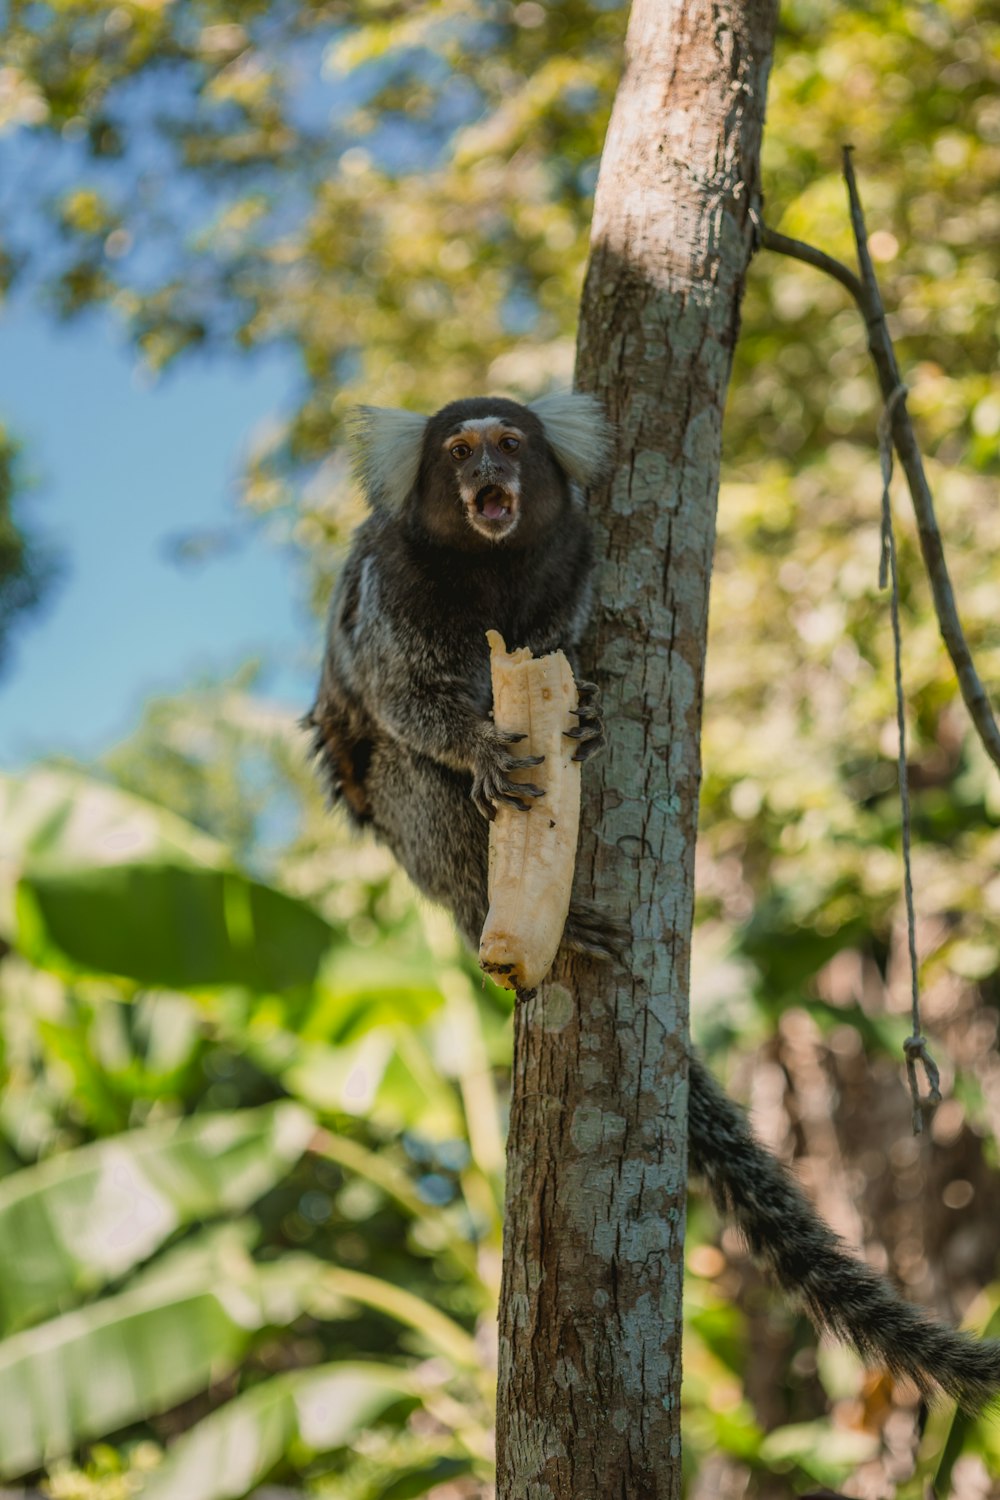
x=532 y=850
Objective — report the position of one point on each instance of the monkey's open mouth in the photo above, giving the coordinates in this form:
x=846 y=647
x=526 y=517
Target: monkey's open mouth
x=494 y=504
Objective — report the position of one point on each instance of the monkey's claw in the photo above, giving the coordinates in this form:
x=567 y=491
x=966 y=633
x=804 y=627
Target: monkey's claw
x=490 y=790
x=492 y=782
x=517 y=762
x=590 y=729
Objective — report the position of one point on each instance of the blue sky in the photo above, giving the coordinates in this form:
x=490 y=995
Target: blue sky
x=123 y=466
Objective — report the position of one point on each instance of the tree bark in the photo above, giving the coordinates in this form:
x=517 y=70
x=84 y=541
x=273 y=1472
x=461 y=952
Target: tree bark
x=590 y=1317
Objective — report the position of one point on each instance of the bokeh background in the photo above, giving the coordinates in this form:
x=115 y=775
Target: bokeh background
x=252 y=1092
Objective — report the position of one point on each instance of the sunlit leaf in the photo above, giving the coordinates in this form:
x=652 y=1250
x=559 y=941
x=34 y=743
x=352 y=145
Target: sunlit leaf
x=387 y=1077
x=92 y=1371
x=359 y=990
x=86 y=1217
x=66 y=818
x=229 y=1452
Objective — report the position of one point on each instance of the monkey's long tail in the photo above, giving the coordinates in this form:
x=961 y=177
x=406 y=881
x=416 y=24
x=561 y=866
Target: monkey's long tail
x=811 y=1264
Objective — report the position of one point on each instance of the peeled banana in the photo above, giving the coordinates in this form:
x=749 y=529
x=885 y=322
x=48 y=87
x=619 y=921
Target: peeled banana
x=532 y=853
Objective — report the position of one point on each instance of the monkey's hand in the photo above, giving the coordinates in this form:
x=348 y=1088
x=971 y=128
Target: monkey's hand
x=492 y=782
x=589 y=731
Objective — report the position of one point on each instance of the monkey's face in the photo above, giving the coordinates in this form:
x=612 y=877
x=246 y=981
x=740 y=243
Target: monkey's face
x=484 y=473
x=489 y=478
x=484 y=457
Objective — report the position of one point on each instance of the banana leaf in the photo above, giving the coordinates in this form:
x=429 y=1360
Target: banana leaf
x=79 y=1220
x=167 y=926
x=67 y=817
x=90 y=1372
x=317 y=1410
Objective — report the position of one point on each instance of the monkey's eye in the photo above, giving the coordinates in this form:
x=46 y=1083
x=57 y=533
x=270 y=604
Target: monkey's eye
x=460 y=452
x=509 y=444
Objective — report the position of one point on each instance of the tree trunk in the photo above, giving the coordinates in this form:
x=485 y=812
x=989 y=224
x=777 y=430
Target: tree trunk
x=590 y=1318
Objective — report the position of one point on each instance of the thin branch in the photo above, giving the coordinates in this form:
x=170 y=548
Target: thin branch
x=866 y=294
x=904 y=438
x=770 y=239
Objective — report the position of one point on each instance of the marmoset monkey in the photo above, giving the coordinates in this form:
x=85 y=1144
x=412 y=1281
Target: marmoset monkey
x=477 y=522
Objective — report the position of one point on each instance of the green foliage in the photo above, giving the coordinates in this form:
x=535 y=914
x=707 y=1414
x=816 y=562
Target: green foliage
x=229 y=1268
x=92 y=1371
x=75 y=1222
x=170 y=927
x=154 y=921
x=312 y=1411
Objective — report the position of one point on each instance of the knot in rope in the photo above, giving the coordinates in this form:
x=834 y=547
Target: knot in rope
x=915 y=1050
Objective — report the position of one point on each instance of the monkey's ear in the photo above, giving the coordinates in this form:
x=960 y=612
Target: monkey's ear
x=579 y=433
x=386 y=444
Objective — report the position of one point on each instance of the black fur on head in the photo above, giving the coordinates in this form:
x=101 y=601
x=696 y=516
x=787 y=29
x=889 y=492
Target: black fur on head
x=485 y=471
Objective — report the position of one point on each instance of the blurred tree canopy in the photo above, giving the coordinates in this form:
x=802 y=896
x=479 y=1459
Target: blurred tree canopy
x=402 y=194
x=26 y=566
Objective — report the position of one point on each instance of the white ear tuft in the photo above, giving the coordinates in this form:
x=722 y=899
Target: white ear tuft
x=579 y=433
x=387 y=443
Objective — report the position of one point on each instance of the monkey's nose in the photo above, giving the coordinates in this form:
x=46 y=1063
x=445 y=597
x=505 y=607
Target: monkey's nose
x=488 y=470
